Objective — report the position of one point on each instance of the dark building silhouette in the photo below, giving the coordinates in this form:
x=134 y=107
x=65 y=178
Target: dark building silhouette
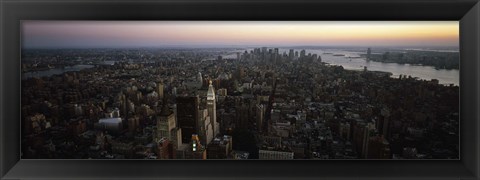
x=187 y=116
x=378 y=148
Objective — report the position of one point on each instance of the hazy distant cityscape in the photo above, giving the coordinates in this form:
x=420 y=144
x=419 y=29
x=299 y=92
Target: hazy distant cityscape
x=240 y=103
x=269 y=90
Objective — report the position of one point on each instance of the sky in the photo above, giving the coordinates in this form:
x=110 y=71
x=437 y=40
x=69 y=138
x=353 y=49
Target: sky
x=111 y=34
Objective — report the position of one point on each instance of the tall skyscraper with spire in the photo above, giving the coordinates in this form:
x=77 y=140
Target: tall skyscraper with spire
x=212 y=109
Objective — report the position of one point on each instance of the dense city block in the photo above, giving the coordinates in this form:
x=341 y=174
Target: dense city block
x=214 y=103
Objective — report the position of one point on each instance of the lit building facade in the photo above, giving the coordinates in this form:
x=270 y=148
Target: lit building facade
x=212 y=108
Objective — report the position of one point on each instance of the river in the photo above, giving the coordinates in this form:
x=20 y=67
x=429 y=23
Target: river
x=444 y=76
x=55 y=71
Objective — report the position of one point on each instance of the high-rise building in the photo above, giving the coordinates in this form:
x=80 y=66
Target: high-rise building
x=116 y=113
x=378 y=148
x=238 y=56
x=240 y=72
x=275 y=55
x=302 y=53
x=160 y=88
x=264 y=50
x=187 y=116
x=212 y=108
x=264 y=53
x=176 y=138
x=361 y=135
x=291 y=54
x=242 y=115
x=344 y=130
x=166 y=123
x=220 y=148
x=166 y=149
x=199 y=77
x=261 y=108
x=205 y=131
x=133 y=123
x=174 y=91
x=222 y=92
x=383 y=122
x=369 y=53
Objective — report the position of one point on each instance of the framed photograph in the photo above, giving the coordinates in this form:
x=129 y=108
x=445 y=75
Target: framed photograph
x=240 y=89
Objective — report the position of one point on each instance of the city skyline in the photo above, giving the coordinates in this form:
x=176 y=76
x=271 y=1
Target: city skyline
x=267 y=90
x=260 y=104
x=122 y=34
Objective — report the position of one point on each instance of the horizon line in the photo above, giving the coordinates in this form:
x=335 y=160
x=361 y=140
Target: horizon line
x=240 y=46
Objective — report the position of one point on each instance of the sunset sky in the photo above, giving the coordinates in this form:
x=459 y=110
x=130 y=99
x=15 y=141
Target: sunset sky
x=85 y=34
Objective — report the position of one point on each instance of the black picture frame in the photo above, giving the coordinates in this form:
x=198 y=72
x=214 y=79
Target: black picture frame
x=13 y=11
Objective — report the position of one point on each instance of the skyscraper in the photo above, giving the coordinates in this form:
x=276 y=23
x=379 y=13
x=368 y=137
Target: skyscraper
x=242 y=115
x=264 y=50
x=165 y=148
x=199 y=77
x=261 y=108
x=238 y=56
x=205 y=129
x=165 y=123
x=220 y=148
x=369 y=52
x=212 y=109
x=160 y=88
x=264 y=53
x=187 y=116
x=378 y=148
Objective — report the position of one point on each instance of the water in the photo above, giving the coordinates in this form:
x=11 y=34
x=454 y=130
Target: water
x=422 y=72
x=55 y=71
x=444 y=76
x=109 y=62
